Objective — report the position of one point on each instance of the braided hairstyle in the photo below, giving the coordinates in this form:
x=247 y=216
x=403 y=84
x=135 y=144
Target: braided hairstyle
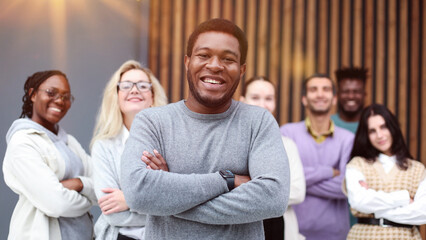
x=31 y=86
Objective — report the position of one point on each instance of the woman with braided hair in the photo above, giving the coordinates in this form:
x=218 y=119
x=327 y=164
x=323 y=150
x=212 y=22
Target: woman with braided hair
x=46 y=167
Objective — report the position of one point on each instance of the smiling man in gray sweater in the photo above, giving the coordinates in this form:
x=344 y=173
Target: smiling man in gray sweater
x=226 y=166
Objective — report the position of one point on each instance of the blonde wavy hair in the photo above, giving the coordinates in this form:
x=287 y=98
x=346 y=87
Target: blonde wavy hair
x=110 y=119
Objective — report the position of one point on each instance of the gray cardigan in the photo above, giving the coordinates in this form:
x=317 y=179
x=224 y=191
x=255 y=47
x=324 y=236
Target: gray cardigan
x=106 y=155
x=192 y=201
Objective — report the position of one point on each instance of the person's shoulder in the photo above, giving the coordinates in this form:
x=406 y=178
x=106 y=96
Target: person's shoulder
x=416 y=164
x=250 y=109
x=294 y=126
x=342 y=132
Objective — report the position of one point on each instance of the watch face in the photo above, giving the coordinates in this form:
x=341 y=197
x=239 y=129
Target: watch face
x=226 y=174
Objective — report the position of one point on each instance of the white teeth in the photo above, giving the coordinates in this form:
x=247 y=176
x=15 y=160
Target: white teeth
x=211 y=81
x=56 y=109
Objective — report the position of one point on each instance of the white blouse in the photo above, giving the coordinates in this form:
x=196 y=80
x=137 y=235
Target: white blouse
x=394 y=206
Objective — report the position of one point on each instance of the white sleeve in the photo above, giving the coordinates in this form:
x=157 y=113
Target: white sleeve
x=27 y=173
x=414 y=213
x=370 y=200
x=297 y=177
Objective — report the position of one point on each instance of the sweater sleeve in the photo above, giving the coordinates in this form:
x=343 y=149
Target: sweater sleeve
x=28 y=174
x=155 y=192
x=297 y=177
x=265 y=196
x=106 y=176
x=332 y=188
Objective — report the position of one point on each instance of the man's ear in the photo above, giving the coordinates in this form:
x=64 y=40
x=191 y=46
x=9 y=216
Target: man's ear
x=304 y=101
x=186 y=60
x=242 y=70
x=242 y=99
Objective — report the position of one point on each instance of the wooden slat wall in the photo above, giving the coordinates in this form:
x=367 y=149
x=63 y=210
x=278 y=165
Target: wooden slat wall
x=291 y=39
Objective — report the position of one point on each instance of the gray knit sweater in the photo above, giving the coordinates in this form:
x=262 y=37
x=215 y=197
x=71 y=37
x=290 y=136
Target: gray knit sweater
x=192 y=201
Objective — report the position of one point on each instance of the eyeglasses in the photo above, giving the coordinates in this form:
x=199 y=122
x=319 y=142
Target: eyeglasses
x=54 y=94
x=126 y=86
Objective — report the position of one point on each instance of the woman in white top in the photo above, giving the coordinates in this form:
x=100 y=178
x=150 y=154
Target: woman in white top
x=46 y=167
x=385 y=187
x=131 y=89
x=260 y=91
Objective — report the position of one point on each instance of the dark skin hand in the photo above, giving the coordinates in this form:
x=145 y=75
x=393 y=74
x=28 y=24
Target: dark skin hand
x=73 y=184
x=157 y=162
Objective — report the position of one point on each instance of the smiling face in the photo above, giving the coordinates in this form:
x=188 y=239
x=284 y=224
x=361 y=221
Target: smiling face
x=319 y=96
x=379 y=135
x=351 y=95
x=133 y=101
x=46 y=110
x=213 y=72
x=260 y=93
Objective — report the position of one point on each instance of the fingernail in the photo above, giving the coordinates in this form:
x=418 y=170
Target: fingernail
x=155 y=151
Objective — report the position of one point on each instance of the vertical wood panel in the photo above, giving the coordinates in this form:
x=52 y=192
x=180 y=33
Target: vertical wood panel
x=275 y=42
x=164 y=67
x=310 y=38
x=403 y=64
x=251 y=37
x=392 y=58
x=323 y=36
x=203 y=11
x=298 y=59
x=154 y=36
x=380 y=51
x=177 y=50
x=239 y=20
x=357 y=33
x=414 y=84
x=346 y=34
x=262 y=38
x=423 y=81
x=215 y=8
x=369 y=48
x=334 y=37
x=288 y=41
x=286 y=54
x=227 y=10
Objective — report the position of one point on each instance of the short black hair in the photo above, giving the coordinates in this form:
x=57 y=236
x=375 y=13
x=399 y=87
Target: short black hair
x=316 y=75
x=219 y=25
x=359 y=73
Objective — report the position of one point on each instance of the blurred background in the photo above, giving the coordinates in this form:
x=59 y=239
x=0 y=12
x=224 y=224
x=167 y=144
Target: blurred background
x=288 y=41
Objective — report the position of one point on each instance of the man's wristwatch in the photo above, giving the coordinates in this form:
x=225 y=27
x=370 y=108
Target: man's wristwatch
x=229 y=177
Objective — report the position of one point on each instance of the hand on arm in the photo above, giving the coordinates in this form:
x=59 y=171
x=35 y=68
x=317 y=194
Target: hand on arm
x=113 y=201
x=107 y=189
x=73 y=184
x=336 y=172
x=154 y=162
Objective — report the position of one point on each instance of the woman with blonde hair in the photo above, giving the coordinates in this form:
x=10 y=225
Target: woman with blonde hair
x=131 y=89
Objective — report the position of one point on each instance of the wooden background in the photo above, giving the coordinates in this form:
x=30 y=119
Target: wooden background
x=291 y=39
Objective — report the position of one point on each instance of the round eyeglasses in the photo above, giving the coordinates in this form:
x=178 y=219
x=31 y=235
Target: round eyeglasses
x=126 y=86
x=54 y=94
